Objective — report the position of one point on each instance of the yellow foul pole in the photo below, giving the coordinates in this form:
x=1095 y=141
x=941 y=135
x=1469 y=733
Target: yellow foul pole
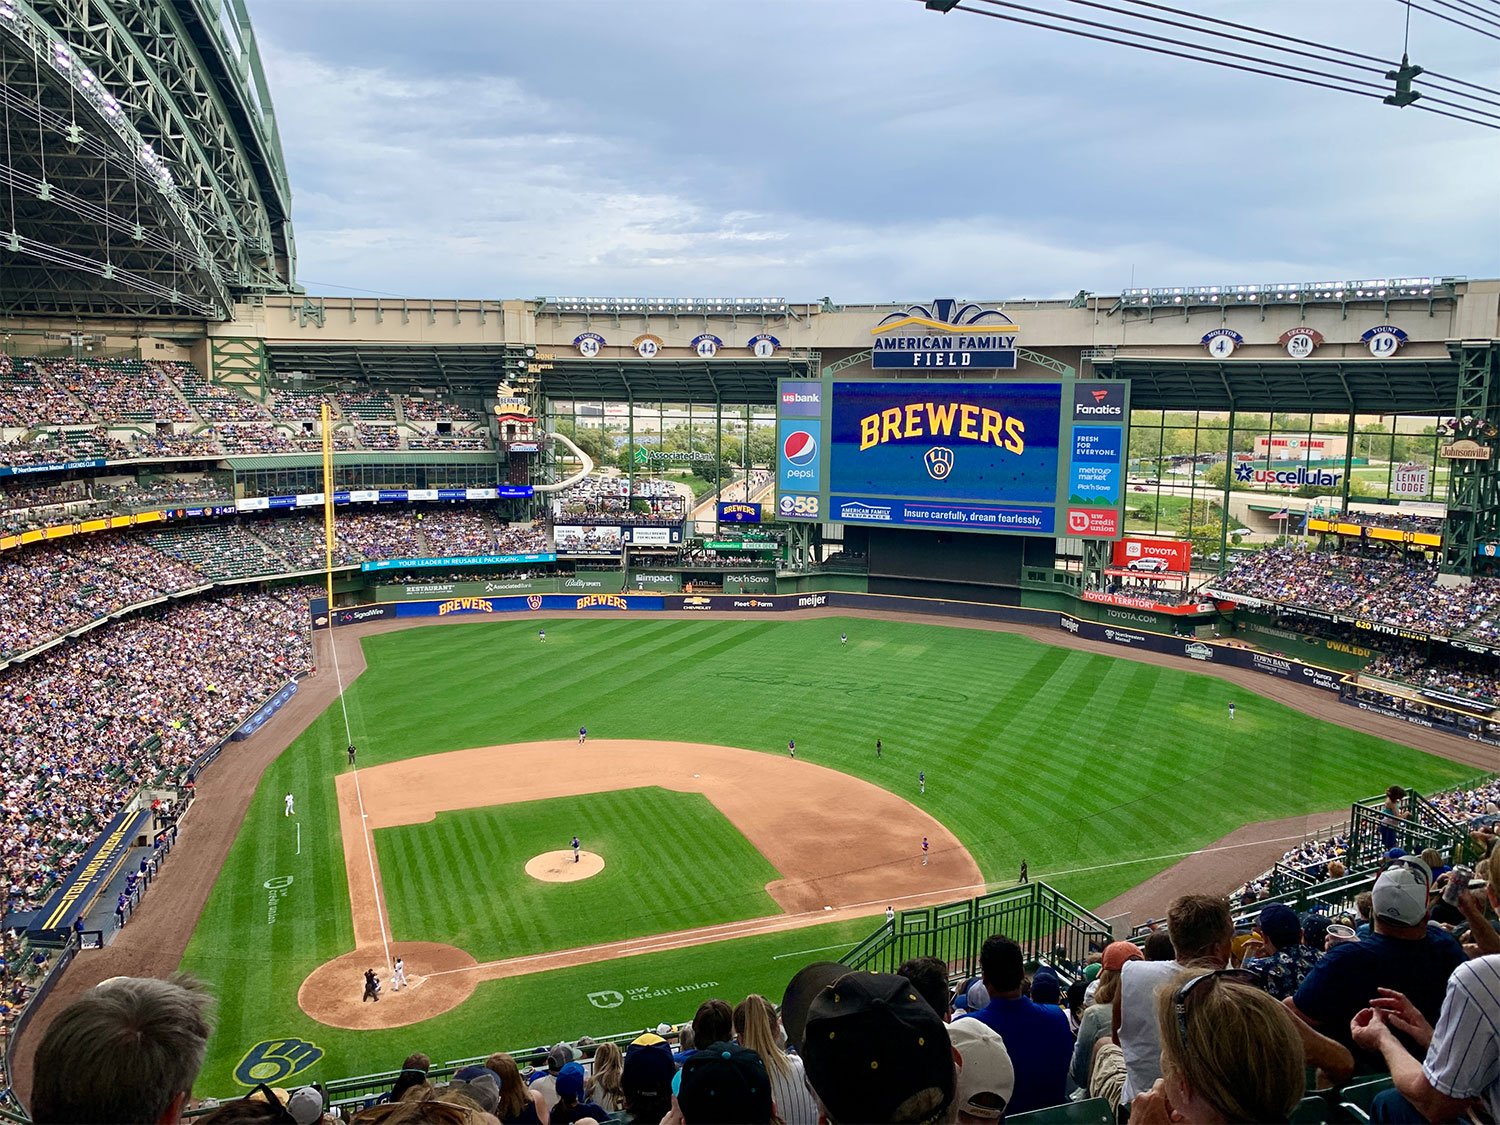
x=328 y=505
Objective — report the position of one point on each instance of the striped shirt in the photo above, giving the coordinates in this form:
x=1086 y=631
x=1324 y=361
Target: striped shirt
x=1464 y=1058
x=795 y=1103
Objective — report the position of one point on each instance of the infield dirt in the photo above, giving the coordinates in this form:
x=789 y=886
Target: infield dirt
x=154 y=943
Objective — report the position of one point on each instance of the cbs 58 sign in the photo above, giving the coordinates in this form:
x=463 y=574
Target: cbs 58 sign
x=799 y=507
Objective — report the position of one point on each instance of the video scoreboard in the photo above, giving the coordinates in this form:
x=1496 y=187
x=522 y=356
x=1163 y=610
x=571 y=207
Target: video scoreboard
x=1018 y=457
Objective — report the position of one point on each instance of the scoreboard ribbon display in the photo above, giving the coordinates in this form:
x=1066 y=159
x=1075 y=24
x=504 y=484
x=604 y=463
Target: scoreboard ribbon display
x=1020 y=457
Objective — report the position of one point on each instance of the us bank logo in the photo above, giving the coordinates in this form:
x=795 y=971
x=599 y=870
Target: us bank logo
x=945 y=334
x=800 y=448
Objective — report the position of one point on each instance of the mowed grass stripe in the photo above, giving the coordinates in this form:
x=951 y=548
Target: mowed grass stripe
x=1070 y=759
x=671 y=862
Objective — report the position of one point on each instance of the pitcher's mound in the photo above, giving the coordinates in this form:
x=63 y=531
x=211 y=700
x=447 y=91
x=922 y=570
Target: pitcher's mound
x=558 y=867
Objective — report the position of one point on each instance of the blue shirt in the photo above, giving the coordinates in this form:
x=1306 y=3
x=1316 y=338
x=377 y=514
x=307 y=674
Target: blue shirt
x=1040 y=1048
x=1345 y=980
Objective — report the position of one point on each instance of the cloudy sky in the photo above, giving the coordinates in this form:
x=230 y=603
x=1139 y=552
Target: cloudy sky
x=865 y=150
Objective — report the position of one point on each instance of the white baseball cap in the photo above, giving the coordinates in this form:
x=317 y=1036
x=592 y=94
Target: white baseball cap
x=986 y=1068
x=1400 y=894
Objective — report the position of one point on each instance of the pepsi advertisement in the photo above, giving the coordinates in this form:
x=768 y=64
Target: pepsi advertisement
x=1019 y=457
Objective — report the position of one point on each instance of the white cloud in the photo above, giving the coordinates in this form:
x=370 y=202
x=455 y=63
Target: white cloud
x=897 y=172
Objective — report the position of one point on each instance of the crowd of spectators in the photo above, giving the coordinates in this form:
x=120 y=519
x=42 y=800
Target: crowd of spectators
x=1476 y=679
x=51 y=588
x=86 y=725
x=614 y=499
x=419 y=408
x=130 y=408
x=1386 y=589
x=471 y=440
x=24 y=495
x=48 y=590
x=1396 y=520
x=162 y=490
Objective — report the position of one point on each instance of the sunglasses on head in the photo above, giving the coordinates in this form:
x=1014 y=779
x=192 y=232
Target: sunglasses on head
x=1180 y=1001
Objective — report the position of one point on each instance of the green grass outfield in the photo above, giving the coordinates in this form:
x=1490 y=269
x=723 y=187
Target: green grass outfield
x=644 y=887
x=1098 y=770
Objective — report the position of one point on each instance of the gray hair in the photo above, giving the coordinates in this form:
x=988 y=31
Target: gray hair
x=122 y=1052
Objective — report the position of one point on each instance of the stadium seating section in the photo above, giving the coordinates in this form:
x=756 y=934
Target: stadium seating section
x=54 y=410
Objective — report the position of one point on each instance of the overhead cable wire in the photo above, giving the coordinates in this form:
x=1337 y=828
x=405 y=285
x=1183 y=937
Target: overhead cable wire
x=1482 y=17
x=1383 y=64
x=1378 y=86
x=1459 y=22
x=1339 y=83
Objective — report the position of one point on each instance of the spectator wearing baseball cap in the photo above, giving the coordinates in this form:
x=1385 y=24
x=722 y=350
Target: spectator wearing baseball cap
x=646 y=1079
x=558 y=1057
x=1286 y=961
x=875 y=1051
x=1403 y=953
x=570 y=1105
x=986 y=1078
x=1097 y=1017
x=725 y=1084
x=1036 y=1035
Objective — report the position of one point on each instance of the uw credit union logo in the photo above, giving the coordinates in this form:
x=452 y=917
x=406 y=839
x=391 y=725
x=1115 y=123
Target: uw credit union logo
x=799 y=448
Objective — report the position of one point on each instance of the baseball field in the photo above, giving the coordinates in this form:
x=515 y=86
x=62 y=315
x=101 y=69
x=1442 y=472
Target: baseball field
x=715 y=864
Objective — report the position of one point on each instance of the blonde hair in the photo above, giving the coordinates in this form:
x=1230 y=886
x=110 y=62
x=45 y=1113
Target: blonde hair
x=1241 y=1055
x=1109 y=984
x=609 y=1066
x=755 y=1027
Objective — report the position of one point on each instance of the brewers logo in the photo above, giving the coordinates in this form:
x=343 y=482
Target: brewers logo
x=466 y=605
x=939 y=462
x=740 y=509
x=533 y=601
x=602 y=601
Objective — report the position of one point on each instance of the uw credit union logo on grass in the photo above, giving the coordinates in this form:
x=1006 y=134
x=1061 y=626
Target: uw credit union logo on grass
x=800 y=448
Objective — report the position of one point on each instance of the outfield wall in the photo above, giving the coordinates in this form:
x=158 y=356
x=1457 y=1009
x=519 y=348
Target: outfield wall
x=1200 y=651
x=1188 y=648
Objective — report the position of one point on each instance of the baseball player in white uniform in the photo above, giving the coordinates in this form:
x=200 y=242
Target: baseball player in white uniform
x=398 y=975
x=290 y=802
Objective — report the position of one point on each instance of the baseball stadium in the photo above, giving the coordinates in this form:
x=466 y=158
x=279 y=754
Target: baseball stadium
x=459 y=678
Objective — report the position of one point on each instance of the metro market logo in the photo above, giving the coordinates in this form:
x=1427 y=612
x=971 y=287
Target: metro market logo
x=1299 y=477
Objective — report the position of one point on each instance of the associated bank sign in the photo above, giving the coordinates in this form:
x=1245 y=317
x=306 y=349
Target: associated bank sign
x=945 y=334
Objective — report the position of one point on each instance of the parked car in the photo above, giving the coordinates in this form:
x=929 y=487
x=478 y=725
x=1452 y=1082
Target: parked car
x=1146 y=564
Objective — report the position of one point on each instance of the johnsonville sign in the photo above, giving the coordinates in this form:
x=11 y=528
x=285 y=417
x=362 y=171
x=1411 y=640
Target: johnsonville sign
x=1466 y=450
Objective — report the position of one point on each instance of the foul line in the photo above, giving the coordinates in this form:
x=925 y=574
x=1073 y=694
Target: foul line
x=753 y=927
x=820 y=949
x=364 y=827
